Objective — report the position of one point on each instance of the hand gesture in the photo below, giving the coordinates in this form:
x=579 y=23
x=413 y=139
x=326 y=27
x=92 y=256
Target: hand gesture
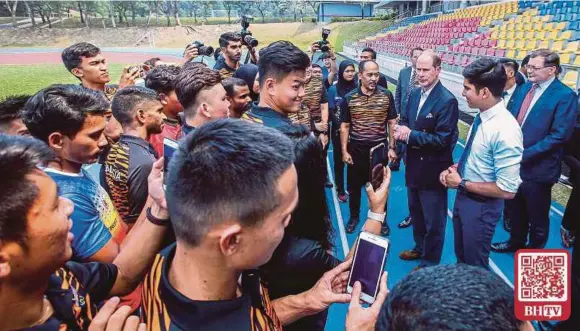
x=155 y=184
x=364 y=319
x=331 y=288
x=347 y=158
x=190 y=53
x=128 y=77
x=111 y=319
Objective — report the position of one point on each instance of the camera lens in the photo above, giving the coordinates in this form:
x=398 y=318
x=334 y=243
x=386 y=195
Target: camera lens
x=206 y=50
x=250 y=41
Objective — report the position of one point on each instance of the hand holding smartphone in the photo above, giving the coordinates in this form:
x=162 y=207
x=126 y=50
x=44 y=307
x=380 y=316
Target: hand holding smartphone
x=169 y=148
x=378 y=160
x=368 y=264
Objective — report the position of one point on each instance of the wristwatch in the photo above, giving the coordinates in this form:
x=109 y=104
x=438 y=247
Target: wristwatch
x=462 y=186
x=377 y=217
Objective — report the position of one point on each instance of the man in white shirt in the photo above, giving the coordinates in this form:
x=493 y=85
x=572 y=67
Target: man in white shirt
x=489 y=168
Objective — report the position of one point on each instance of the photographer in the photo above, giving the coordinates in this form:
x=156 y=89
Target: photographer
x=231 y=53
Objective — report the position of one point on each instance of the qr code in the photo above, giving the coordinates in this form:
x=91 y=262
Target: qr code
x=542 y=277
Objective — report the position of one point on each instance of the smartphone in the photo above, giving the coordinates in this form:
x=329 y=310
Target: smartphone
x=378 y=160
x=169 y=147
x=367 y=268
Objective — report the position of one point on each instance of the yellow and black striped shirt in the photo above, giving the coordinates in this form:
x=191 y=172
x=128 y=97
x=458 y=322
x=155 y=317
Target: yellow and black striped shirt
x=165 y=309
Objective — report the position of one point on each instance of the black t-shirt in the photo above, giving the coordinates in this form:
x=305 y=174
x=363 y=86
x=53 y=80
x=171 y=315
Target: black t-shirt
x=126 y=169
x=74 y=292
x=368 y=114
x=164 y=308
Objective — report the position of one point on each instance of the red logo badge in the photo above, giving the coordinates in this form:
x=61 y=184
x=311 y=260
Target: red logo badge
x=542 y=284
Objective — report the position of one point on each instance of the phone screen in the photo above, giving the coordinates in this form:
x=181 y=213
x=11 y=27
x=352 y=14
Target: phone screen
x=169 y=148
x=377 y=163
x=368 y=266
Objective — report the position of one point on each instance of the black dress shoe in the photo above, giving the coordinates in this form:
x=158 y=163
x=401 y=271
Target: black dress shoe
x=507 y=224
x=405 y=223
x=351 y=225
x=504 y=247
x=385 y=229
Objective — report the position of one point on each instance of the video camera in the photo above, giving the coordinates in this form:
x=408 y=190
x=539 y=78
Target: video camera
x=247 y=38
x=323 y=44
x=202 y=49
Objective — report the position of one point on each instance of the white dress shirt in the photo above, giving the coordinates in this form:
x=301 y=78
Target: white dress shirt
x=509 y=95
x=537 y=94
x=496 y=151
x=424 y=96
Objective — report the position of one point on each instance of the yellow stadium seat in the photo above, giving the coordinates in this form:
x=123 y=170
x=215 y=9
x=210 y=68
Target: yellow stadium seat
x=565 y=35
x=538 y=26
x=510 y=43
x=570 y=78
x=557 y=46
x=520 y=35
x=543 y=44
x=572 y=47
x=530 y=35
x=501 y=43
x=530 y=45
x=552 y=35
x=565 y=58
x=548 y=26
x=541 y=35
x=494 y=34
x=519 y=27
x=511 y=27
x=511 y=35
x=510 y=54
x=561 y=25
x=521 y=44
x=577 y=61
x=502 y=35
x=528 y=26
x=521 y=55
x=546 y=18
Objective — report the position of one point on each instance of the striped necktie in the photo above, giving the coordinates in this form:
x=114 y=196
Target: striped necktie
x=526 y=104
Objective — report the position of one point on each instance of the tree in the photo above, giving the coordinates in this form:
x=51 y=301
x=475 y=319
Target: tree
x=315 y=5
x=12 y=11
x=30 y=14
x=166 y=7
x=262 y=6
x=206 y=7
x=228 y=5
x=176 y=12
x=244 y=7
x=112 y=14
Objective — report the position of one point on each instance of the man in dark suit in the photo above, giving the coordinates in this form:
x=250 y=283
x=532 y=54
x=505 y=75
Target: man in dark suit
x=546 y=110
x=406 y=82
x=427 y=127
x=512 y=86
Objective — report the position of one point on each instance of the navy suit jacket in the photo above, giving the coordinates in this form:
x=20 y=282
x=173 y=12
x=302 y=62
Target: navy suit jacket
x=510 y=104
x=429 y=148
x=549 y=125
x=401 y=93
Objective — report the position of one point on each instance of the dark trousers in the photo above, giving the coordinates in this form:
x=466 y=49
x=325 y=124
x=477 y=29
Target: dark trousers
x=428 y=209
x=338 y=164
x=530 y=209
x=358 y=173
x=473 y=228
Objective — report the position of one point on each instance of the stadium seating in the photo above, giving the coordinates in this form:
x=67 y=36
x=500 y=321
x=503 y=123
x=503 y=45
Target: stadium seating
x=503 y=29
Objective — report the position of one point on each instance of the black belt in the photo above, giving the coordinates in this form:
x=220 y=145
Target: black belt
x=476 y=197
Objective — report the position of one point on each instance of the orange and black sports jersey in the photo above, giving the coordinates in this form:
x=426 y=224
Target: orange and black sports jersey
x=267 y=117
x=223 y=69
x=165 y=309
x=74 y=292
x=368 y=114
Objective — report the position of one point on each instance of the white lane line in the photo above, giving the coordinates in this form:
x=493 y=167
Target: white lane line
x=492 y=264
x=339 y=219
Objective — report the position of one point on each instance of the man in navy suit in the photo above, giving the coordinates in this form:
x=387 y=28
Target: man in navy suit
x=512 y=86
x=427 y=126
x=406 y=82
x=546 y=110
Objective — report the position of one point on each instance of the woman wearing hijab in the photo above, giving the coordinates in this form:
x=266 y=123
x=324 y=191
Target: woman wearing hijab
x=249 y=72
x=347 y=82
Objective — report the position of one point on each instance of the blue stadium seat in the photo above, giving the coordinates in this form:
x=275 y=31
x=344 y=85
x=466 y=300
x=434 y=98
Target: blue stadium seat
x=574 y=25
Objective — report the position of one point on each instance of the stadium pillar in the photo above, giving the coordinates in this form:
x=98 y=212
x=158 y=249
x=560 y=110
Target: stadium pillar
x=463 y=4
x=424 y=7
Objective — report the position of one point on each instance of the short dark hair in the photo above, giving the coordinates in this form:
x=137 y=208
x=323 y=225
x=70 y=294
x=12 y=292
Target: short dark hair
x=19 y=156
x=486 y=72
x=225 y=170
x=229 y=36
x=192 y=64
x=310 y=219
x=370 y=50
x=161 y=78
x=511 y=63
x=416 y=49
x=127 y=99
x=326 y=55
x=526 y=60
x=10 y=108
x=279 y=59
x=191 y=81
x=362 y=65
x=551 y=58
x=61 y=108
x=230 y=83
x=72 y=55
x=151 y=62
x=468 y=298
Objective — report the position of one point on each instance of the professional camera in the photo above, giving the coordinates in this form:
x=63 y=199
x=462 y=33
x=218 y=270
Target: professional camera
x=247 y=38
x=323 y=44
x=202 y=49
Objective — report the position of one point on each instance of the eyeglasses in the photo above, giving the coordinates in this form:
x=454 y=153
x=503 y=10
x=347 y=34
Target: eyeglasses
x=532 y=68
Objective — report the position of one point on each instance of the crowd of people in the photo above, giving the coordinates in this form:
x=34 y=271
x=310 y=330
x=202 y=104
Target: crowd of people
x=236 y=233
